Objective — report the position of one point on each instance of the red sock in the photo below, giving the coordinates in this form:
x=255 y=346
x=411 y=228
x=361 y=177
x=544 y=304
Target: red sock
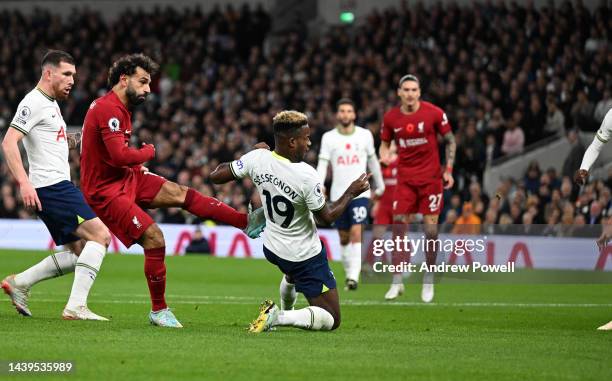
x=155 y=271
x=211 y=208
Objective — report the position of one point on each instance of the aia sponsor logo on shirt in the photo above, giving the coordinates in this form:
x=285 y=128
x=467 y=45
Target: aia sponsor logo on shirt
x=347 y=159
x=61 y=134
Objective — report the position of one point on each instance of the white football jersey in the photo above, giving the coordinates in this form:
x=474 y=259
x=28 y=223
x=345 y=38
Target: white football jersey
x=289 y=193
x=605 y=130
x=39 y=118
x=348 y=155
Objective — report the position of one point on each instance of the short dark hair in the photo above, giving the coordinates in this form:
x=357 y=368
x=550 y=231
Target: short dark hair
x=288 y=122
x=345 y=101
x=54 y=57
x=408 y=77
x=127 y=65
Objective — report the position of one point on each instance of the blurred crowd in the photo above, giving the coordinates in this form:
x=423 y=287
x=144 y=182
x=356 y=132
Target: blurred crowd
x=507 y=75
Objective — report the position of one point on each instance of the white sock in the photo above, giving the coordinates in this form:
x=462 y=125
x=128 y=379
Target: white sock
x=85 y=273
x=288 y=296
x=52 y=266
x=355 y=261
x=312 y=318
x=428 y=278
x=397 y=279
x=345 y=253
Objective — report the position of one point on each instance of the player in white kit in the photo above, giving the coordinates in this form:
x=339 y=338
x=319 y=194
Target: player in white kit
x=48 y=191
x=350 y=151
x=604 y=134
x=293 y=197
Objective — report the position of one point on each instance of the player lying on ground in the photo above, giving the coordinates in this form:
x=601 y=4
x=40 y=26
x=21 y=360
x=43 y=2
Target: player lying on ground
x=119 y=188
x=350 y=150
x=601 y=138
x=291 y=191
x=414 y=126
x=49 y=192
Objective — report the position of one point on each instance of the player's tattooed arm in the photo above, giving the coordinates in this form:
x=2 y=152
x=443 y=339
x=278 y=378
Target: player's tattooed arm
x=332 y=211
x=451 y=150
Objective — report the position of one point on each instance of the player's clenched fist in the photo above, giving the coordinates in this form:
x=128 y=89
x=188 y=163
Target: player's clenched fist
x=150 y=148
x=360 y=185
x=581 y=176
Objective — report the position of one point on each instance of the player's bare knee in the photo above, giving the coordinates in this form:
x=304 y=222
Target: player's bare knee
x=355 y=236
x=153 y=237
x=345 y=237
x=103 y=236
x=431 y=231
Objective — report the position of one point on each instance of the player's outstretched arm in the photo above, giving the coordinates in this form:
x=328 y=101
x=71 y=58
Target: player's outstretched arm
x=592 y=153
x=15 y=164
x=331 y=212
x=222 y=174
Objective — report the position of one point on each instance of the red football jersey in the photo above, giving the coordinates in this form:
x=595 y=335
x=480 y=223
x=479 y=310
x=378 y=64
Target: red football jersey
x=417 y=141
x=107 y=161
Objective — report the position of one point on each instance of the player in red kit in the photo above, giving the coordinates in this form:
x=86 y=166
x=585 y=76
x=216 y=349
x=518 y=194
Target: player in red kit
x=415 y=126
x=118 y=187
x=383 y=210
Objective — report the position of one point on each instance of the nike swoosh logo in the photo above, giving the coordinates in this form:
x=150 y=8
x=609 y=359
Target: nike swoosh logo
x=397 y=129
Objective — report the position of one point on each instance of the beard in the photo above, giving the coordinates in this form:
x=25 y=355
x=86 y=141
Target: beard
x=59 y=94
x=133 y=98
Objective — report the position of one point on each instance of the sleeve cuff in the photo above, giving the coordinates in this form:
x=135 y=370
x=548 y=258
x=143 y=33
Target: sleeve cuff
x=231 y=167
x=601 y=139
x=320 y=208
x=18 y=128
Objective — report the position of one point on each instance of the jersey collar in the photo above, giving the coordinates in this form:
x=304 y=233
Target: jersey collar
x=45 y=94
x=115 y=99
x=339 y=129
x=279 y=157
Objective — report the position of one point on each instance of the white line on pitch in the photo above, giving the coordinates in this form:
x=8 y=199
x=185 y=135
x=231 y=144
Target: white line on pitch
x=233 y=300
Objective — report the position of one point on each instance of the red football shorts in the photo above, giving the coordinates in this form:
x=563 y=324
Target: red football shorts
x=384 y=212
x=425 y=199
x=122 y=210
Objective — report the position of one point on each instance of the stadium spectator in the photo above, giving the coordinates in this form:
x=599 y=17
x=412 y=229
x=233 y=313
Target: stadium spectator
x=574 y=158
x=468 y=222
x=603 y=106
x=198 y=244
x=514 y=138
x=555 y=120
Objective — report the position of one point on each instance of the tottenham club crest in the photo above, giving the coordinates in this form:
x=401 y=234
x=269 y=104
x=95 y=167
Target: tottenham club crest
x=318 y=191
x=113 y=124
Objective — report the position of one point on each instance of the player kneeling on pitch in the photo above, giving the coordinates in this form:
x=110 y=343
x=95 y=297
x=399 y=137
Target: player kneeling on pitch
x=292 y=193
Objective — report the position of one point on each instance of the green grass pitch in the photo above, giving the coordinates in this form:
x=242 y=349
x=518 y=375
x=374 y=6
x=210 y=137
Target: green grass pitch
x=474 y=331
